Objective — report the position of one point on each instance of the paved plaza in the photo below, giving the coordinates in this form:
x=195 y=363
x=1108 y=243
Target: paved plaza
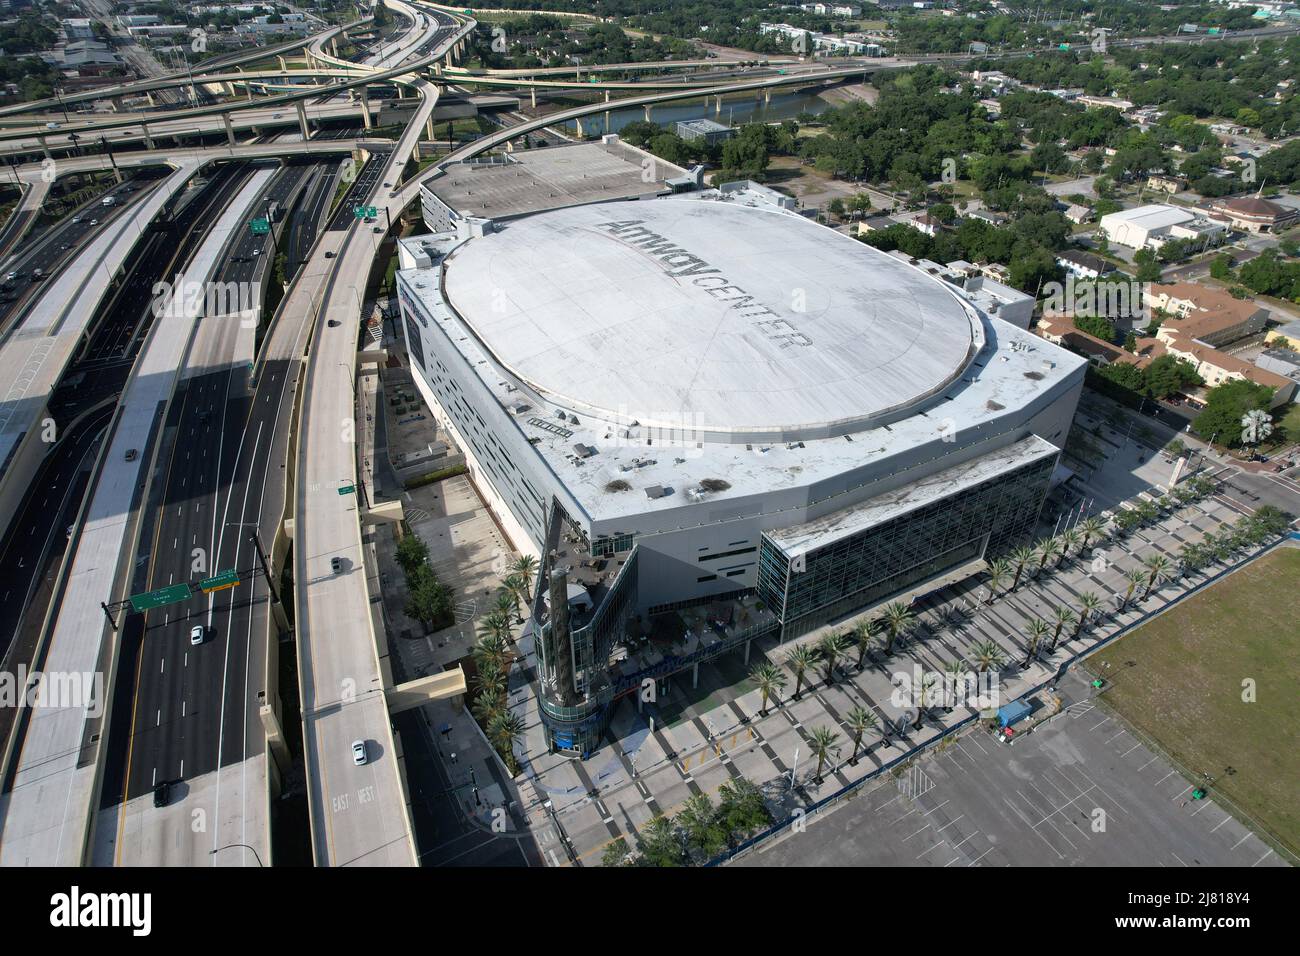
x=1080 y=790
x=695 y=738
x=704 y=727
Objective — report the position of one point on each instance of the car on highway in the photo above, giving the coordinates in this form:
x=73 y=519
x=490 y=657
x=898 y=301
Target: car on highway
x=76 y=219
x=336 y=565
x=13 y=276
x=132 y=454
x=359 y=755
x=378 y=229
x=332 y=323
x=94 y=222
x=329 y=255
x=197 y=633
x=161 y=794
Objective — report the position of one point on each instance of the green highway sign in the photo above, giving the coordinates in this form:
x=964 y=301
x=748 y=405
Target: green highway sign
x=259 y=227
x=219 y=582
x=168 y=595
x=347 y=489
x=361 y=212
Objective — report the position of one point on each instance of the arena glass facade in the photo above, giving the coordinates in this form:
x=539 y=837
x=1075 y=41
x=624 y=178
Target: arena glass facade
x=864 y=568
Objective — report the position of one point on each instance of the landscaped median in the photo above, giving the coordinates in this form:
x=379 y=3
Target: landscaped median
x=1215 y=682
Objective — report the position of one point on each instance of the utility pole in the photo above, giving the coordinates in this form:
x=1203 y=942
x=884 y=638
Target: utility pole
x=266 y=571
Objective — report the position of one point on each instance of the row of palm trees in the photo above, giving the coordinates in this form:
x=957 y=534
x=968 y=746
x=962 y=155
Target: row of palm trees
x=494 y=655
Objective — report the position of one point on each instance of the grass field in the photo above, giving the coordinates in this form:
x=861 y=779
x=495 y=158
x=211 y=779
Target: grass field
x=1180 y=679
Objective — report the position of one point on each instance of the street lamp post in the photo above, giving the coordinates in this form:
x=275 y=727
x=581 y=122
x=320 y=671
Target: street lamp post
x=231 y=846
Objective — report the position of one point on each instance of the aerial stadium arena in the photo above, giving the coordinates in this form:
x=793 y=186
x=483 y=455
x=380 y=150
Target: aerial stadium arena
x=706 y=399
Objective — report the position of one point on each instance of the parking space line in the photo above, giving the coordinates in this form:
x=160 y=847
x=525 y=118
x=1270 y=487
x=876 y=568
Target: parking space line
x=981 y=856
x=1263 y=858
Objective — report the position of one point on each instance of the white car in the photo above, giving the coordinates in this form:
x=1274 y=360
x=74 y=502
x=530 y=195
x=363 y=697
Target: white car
x=359 y=752
x=197 y=633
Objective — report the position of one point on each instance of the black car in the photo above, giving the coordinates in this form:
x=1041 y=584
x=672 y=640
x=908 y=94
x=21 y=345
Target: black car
x=161 y=794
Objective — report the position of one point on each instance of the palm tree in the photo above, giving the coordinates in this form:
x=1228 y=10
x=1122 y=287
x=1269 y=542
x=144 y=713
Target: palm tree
x=859 y=721
x=1038 y=629
x=799 y=660
x=1020 y=557
x=924 y=691
x=1091 y=527
x=897 y=619
x=1158 y=567
x=1048 y=548
x=486 y=707
x=956 y=671
x=508 y=604
x=1134 y=577
x=988 y=655
x=495 y=623
x=526 y=566
x=998 y=572
x=769 y=679
x=1070 y=538
x=823 y=744
x=503 y=730
x=490 y=681
x=495 y=650
x=832 y=648
x=863 y=635
x=517 y=585
x=1064 y=618
x=1089 y=603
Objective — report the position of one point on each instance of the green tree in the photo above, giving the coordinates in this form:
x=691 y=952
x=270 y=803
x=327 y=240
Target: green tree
x=1158 y=568
x=799 y=659
x=999 y=571
x=428 y=600
x=1064 y=618
x=1036 y=630
x=831 y=648
x=660 y=844
x=699 y=822
x=504 y=730
x=616 y=854
x=769 y=679
x=987 y=655
x=859 y=720
x=1225 y=406
x=412 y=553
x=897 y=619
x=741 y=809
x=824 y=745
x=1089 y=604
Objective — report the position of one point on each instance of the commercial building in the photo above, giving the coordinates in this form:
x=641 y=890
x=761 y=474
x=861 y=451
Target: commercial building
x=1083 y=265
x=1153 y=225
x=704 y=129
x=708 y=400
x=1252 y=214
x=78 y=28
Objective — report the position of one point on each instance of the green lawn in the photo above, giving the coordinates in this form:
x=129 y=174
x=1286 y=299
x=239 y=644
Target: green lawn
x=1179 y=678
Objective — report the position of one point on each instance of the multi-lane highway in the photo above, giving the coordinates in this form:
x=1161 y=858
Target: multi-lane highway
x=201 y=714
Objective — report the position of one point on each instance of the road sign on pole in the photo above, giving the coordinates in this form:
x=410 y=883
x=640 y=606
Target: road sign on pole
x=171 y=594
x=347 y=489
x=259 y=227
x=219 y=582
